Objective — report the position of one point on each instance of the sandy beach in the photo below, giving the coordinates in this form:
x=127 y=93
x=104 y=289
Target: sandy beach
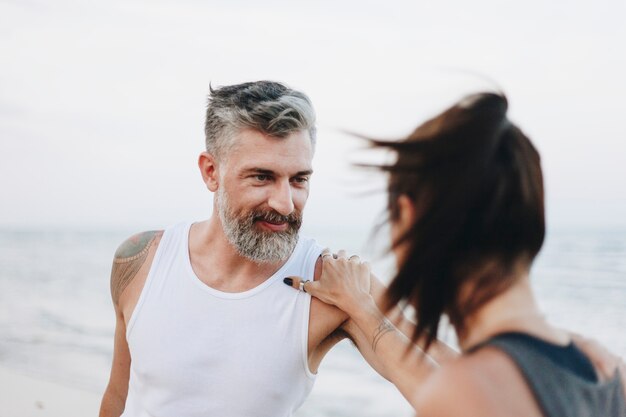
x=25 y=396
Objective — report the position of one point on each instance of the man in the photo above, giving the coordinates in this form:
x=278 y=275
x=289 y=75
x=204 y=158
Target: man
x=204 y=327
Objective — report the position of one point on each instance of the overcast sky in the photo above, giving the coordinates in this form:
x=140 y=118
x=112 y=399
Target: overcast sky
x=102 y=103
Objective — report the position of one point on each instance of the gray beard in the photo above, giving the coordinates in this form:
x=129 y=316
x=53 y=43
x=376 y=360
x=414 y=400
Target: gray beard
x=257 y=245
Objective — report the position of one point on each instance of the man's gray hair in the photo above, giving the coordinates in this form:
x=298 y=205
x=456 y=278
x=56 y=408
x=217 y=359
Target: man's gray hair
x=266 y=106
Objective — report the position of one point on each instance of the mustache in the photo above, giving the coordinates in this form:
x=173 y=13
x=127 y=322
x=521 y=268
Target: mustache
x=272 y=216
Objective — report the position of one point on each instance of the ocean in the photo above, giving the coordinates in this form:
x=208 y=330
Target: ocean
x=57 y=321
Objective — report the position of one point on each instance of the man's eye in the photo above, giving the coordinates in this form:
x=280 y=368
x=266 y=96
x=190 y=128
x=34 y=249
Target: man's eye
x=301 y=180
x=262 y=177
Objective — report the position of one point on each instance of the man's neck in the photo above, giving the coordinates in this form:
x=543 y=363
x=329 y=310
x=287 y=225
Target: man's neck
x=219 y=265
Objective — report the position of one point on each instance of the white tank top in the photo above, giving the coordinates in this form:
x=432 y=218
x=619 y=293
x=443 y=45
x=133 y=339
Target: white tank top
x=197 y=351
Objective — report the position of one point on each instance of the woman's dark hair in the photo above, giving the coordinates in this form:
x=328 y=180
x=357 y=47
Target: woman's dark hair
x=477 y=186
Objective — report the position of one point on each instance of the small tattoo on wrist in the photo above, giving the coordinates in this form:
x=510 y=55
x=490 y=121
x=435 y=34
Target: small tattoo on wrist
x=383 y=328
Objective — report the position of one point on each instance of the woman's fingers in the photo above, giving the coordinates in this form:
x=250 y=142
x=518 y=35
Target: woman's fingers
x=311 y=287
x=296 y=282
x=341 y=254
x=343 y=282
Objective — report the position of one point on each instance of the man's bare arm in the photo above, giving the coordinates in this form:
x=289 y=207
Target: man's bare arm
x=129 y=258
x=129 y=262
x=114 y=398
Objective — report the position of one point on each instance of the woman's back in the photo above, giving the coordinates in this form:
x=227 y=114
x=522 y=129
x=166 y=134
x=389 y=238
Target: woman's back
x=515 y=374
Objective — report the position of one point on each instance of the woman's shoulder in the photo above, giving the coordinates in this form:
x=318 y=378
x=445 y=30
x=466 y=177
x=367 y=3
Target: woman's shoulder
x=605 y=362
x=484 y=383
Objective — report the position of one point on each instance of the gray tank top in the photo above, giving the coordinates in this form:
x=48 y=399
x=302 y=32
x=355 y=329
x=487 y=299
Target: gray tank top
x=561 y=378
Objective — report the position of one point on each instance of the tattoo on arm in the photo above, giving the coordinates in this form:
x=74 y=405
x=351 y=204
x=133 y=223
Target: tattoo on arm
x=129 y=258
x=383 y=328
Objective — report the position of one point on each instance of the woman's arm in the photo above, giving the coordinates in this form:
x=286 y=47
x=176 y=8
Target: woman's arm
x=346 y=283
x=389 y=351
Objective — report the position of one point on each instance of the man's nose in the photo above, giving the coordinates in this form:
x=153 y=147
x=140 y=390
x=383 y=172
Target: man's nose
x=281 y=199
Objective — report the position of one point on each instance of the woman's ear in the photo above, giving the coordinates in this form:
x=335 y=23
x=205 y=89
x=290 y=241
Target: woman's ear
x=208 y=168
x=401 y=225
x=406 y=214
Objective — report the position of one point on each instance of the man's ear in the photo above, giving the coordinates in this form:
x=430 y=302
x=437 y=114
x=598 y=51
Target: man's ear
x=208 y=168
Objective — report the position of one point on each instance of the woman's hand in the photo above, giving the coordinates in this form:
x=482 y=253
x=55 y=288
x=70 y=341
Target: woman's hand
x=344 y=282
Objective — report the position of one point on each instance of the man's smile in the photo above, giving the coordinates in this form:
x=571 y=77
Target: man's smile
x=275 y=226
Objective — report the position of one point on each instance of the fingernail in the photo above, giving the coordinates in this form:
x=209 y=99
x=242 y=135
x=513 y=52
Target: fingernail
x=288 y=281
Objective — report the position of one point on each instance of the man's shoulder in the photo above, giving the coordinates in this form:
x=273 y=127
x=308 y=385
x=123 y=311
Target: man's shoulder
x=132 y=247
x=130 y=258
x=310 y=242
x=308 y=250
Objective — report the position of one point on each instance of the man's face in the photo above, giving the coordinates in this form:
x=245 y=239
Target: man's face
x=264 y=185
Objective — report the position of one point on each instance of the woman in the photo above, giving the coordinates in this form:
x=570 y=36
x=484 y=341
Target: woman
x=466 y=212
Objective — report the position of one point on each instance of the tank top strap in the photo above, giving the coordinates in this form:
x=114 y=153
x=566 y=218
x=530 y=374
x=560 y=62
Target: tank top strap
x=308 y=255
x=164 y=258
